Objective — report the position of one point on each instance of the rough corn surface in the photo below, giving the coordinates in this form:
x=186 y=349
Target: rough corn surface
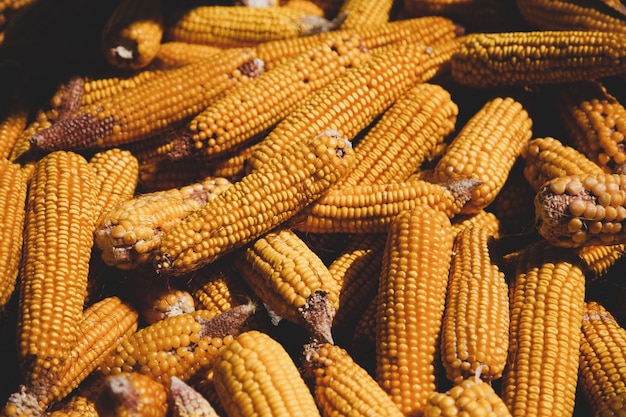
x=132 y=394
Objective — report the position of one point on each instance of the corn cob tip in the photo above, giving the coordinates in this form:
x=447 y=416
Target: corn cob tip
x=314 y=25
x=318 y=315
x=309 y=351
x=343 y=142
x=227 y=323
x=77 y=132
x=22 y=403
x=182 y=148
x=462 y=188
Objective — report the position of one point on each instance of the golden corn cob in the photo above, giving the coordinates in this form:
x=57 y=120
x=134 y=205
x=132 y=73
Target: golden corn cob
x=484 y=219
x=58 y=238
x=97 y=89
x=276 y=387
x=352 y=101
x=547 y=158
x=159 y=302
x=176 y=346
x=365 y=13
x=372 y=208
x=538 y=57
x=13 y=189
x=256 y=204
x=595 y=122
x=341 y=386
x=184 y=401
x=220 y=289
x=486 y=148
x=76 y=406
x=162 y=100
x=582 y=210
x=173 y=55
x=411 y=299
x=22 y=150
x=241 y=26
x=602 y=358
x=291 y=280
x=245 y=112
x=132 y=35
x=13 y=120
x=547 y=303
x=129 y=233
x=600 y=258
x=476 y=320
x=131 y=394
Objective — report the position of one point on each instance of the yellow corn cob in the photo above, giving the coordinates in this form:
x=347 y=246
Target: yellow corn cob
x=13 y=189
x=476 y=320
x=486 y=148
x=372 y=208
x=159 y=302
x=247 y=111
x=76 y=406
x=471 y=397
x=176 y=346
x=595 y=122
x=162 y=100
x=484 y=219
x=13 y=120
x=600 y=258
x=97 y=89
x=364 y=13
x=130 y=231
x=185 y=401
x=537 y=57
x=291 y=280
x=571 y=15
x=412 y=293
x=255 y=376
x=58 y=237
x=132 y=394
x=547 y=302
x=219 y=290
x=352 y=101
x=22 y=150
x=176 y=54
x=256 y=204
x=602 y=358
x=547 y=158
x=582 y=210
x=342 y=387
x=239 y=26
x=132 y=35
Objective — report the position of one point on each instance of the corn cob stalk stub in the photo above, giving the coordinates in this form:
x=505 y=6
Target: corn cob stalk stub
x=256 y=204
x=582 y=210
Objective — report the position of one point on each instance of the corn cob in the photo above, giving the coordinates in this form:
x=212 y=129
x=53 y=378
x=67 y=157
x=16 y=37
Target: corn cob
x=581 y=210
x=412 y=293
x=602 y=357
x=372 y=208
x=484 y=219
x=58 y=237
x=291 y=280
x=176 y=346
x=547 y=302
x=548 y=158
x=159 y=302
x=241 y=26
x=219 y=290
x=132 y=35
x=304 y=6
x=486 y=148
x=352 y=101
x=173 y=55
x=76 y=406
x=13 y=119
x=247 y=111
x=256 y=204
x=130 y=231
x=471 y=397
x=13 y=189
x=476 y=319
x=538 y=57
x=255 y=376
x=132 y=394
x=571 y=15
x=342 y=387
x=600 y=258
x=22 y=150
x=184 y=401
x=364 y=13
x=97 y=89
x=595 y=122
x=162 y=100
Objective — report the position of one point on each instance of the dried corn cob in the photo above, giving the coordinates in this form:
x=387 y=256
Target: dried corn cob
x=275 y=388
x=365 y=13
x=13 y=120
x=602 y=358
x=97 y=89
x=219 y=290
x=486 y=148
x=595 y=122
x=250 y=109
x=173 y=55
x=537 y=57
x=342 y=387
x=581 y=210
x=76 y=406
x=241 y=26
x=184 y=401
x=132 y=35
x=58 y=237
x=159 y=302
x=256 y=204
x=547 y=158
x=600 y=258
x=412 y=293
x=13 y=189
x=22 y=148
x=484 y=219
x=130 y=231
x=476 y=320
x=162 y=100
x=547 y=302
x=132 y=394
